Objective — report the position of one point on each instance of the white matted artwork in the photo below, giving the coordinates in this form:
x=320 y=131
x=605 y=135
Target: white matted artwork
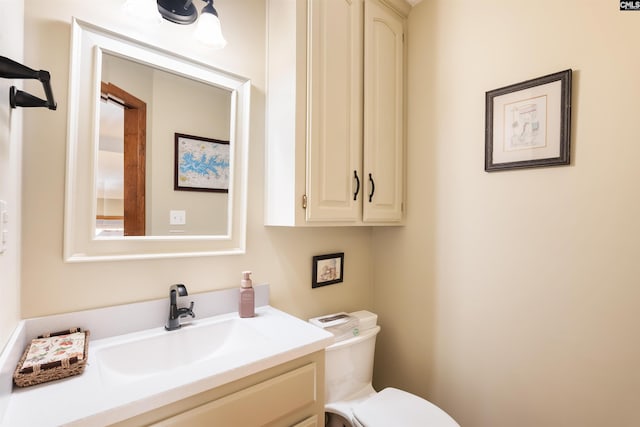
x=528 y=124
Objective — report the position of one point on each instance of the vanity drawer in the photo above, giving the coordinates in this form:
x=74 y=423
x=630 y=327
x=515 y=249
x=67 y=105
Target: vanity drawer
x=257 y=405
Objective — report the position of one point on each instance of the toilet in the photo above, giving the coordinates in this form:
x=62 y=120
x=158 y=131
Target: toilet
x=350 y=399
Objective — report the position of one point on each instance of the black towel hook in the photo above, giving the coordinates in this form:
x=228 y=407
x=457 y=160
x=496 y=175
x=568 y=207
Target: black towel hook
x=10 y=69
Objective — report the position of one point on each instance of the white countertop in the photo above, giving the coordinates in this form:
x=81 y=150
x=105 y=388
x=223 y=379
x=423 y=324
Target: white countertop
x=93 y=399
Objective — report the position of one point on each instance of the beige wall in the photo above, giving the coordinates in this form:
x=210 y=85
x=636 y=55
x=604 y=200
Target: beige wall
x=511 y=298
x=110 y=207
x=281 y=257
x=11 y=46
x=194 y=109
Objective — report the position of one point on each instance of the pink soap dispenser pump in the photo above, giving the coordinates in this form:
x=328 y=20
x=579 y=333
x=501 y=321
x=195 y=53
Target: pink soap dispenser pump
x=247 y=306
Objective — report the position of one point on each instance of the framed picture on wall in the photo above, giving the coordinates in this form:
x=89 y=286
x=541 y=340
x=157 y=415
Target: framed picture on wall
x=201 y=164
x=327 y=269
x=528 y=124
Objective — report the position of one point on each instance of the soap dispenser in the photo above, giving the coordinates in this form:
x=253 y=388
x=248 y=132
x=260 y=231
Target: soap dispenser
x=247 y=305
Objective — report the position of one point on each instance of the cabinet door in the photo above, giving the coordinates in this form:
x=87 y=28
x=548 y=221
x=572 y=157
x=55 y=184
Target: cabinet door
x=383 y=113
x=334 y=118
x=254 y=406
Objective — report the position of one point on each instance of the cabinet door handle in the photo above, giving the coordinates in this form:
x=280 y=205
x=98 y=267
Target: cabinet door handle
x=373 y=188
x=355 y=195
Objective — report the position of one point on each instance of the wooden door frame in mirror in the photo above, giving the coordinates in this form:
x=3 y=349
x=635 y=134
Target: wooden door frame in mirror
x=135 y=141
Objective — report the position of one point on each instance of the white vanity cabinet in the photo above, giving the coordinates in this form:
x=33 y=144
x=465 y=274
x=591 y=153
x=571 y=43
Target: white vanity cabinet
x=288 y=395
x=335 y=86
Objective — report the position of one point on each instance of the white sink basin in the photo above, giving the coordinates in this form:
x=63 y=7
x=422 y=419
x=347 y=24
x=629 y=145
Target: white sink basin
x=159 y=351
x=128 y=374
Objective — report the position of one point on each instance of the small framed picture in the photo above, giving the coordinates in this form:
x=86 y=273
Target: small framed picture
x=201 y=164
x=528 y=124
x=327 y=269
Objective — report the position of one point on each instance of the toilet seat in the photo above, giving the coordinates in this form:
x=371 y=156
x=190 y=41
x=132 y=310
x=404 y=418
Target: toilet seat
x=393 y=407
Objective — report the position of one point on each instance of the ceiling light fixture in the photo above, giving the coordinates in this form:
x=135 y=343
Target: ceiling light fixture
x=209 y=30
x=178 y=11
x=183 y=12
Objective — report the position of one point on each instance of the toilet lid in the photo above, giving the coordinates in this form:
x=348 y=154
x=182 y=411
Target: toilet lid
x=393 y=407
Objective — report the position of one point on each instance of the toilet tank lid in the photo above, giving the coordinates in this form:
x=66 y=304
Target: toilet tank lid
x=393 y=407
x=344 y=326
x=367 y=319
x=362 y=319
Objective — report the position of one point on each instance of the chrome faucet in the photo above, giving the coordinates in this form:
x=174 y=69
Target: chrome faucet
x=176 y=313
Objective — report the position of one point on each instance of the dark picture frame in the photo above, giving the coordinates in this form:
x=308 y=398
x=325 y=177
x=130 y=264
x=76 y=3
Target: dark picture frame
x=528 y=124
x=327 y=269
x=201 y=164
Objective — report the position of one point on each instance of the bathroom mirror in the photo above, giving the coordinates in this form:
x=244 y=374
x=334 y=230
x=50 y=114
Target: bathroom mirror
x=157 y=152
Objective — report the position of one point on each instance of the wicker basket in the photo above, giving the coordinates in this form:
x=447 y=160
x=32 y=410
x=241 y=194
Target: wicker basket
x=54 y=368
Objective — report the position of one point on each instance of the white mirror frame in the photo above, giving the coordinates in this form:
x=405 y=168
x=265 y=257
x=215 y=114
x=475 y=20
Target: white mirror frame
x=80 y=243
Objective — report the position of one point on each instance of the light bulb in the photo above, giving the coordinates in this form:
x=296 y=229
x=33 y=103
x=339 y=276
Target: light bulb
x=208 y=31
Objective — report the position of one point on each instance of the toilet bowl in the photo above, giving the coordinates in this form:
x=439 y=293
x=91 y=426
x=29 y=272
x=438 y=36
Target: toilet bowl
x=351 y=400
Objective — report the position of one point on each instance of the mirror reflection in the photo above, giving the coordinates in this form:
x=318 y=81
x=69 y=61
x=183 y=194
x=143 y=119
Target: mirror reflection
x=161 y=134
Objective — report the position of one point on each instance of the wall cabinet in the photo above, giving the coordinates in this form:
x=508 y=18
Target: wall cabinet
x=289 y=395
x=335 y=101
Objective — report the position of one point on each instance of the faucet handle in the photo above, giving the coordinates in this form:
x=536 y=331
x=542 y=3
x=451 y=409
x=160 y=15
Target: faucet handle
x=184 y=311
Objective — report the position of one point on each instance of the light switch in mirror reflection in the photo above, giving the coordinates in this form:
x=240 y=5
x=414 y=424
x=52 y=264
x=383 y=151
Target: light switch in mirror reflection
x=127 y=103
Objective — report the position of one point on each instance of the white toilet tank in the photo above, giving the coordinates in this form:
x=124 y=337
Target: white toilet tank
x=349 y=363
